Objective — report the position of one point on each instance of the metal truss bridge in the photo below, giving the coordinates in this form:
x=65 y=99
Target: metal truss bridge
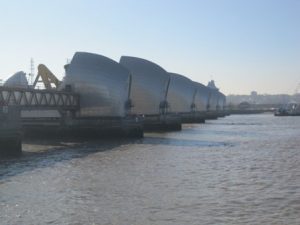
x=38 y=99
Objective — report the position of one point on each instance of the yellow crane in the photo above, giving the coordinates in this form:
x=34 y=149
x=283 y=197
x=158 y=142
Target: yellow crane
x=49 y=80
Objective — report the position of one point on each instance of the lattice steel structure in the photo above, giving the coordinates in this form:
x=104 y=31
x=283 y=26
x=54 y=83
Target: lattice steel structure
x=32 y=98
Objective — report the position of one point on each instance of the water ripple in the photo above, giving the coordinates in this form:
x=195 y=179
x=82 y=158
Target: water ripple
x=236 y=170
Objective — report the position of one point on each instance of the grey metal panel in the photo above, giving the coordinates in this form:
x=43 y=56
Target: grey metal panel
x=17 y=80
x=102 y=83
x=201 y=97
x=218 y=94
x=213 y=99
x=149 y=85
x=221 y=101
x=224 y=102
x=181 y=93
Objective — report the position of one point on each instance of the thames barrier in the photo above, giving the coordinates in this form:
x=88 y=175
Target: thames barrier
x=99 y=96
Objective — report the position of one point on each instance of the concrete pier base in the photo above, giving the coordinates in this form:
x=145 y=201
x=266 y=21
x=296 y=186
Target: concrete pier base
x=10 y=146
x=211 y=115
x=221 y=114
x=10 y=131
x=194 y=117
x=86 y=127
x=168 y=122
x=163 y=127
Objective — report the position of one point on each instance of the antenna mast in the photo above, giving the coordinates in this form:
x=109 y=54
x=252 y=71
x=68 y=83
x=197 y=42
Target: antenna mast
x=31 y=74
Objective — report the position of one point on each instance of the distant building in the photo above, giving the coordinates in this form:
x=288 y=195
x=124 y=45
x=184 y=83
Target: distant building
x=262 y=99
x=253 y=94
x=244 y=105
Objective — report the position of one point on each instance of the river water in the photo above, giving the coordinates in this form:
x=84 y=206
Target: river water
x=242 y=169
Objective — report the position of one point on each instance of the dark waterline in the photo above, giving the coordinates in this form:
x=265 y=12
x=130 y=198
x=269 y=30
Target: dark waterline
x=242 y=169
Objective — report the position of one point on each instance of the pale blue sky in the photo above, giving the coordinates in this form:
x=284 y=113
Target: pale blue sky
x=243 y=45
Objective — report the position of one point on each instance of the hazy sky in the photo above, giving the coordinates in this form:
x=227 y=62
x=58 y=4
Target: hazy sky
x=243 y=45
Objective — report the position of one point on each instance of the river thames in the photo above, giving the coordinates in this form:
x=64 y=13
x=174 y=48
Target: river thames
x=242 y=169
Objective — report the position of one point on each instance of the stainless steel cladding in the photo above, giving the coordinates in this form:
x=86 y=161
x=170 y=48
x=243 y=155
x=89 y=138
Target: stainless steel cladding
x=181 y=94
x=213 y=99
x=103 y=85
x=149 y=85
x=221 y=101
x=201 y=97
x=17 y=80
x=224 y=101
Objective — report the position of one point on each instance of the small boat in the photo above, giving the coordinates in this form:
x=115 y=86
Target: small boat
x=291 y=109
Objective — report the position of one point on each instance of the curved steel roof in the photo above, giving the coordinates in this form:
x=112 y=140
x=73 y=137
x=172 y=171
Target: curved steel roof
x=181 y=93
x=102 y=83
x=221 y=101
x=17 y=80
x=149 y=85
x=213 y=99
x=201 y=97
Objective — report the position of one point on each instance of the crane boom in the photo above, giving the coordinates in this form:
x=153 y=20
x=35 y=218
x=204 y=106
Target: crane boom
x=48 y=78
